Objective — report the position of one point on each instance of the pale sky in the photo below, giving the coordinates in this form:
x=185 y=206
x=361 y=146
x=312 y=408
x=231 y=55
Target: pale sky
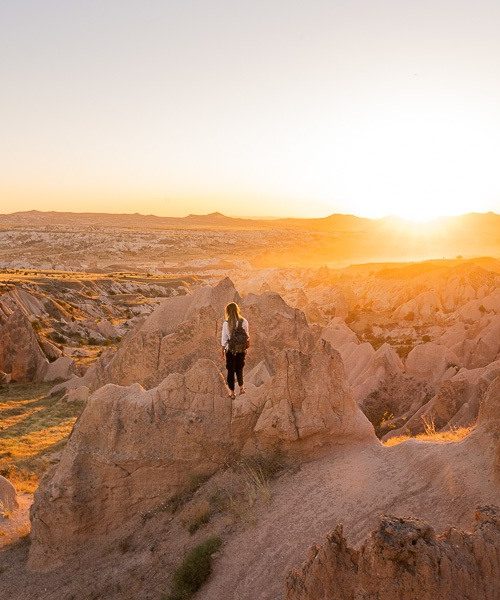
x=250 y=108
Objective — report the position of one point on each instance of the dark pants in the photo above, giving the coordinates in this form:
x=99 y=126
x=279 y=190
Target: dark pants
x=234 y=366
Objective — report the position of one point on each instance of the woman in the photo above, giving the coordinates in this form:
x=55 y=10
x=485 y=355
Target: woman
x=234 y=342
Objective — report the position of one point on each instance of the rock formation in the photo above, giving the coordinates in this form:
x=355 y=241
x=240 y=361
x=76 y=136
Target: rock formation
x=130 y=450
x=455 y=404
x=8 y=496
x=180 y=330
x=183 y=329
x=308 y=404
x=487 y=431
x=367 y=369
x=133 y=449
x=62 y=368
x=20 y=352
x=431 y=362
x=404 y=558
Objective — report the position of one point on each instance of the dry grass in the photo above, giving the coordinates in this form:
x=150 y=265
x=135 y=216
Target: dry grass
x=429 y=426
x=257 y=486
x=196 y=514
x=431 y=435
x=248 y=484
x=33 y=426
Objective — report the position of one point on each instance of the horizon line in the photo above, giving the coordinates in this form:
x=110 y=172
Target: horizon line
x=245 y=217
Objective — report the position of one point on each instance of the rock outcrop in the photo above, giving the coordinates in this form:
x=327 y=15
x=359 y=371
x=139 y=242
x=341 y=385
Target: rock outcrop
x=367 y=369
x=308 y=404
x=180 y=330
x=61 y=369
x=8 y=496
x=431 y=362
x=455 y=404
x=487 y=431
x=132 y=449
x=185 y=328
x=423 y=306
x=20 y=352
x=482 y=345
x=404 y=558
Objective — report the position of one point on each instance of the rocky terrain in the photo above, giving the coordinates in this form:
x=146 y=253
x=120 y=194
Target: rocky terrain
x=55 y=324
x=409 y=561
x=211 y=243
x=419 y=342
x=317 y=462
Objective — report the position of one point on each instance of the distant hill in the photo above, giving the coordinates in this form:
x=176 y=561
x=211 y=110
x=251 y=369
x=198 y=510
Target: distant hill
x=471 y=223
x=135 y=220
x=297 y=241
x=36 y=218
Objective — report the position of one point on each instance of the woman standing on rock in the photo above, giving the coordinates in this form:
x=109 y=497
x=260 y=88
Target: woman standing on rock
x=235 y=341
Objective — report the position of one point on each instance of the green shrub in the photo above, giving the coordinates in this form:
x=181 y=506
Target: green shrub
x=194 y=570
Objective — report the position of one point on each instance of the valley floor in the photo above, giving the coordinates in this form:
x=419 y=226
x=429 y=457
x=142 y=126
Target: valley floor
x=442 y=483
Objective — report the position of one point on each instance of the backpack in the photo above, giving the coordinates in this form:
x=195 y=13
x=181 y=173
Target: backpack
x=239 y=340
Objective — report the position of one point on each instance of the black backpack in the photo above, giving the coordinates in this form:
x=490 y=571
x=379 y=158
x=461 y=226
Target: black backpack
x=239 y=340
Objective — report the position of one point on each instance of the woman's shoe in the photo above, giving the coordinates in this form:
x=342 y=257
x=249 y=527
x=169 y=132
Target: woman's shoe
x=232 y=395
x=242 y=390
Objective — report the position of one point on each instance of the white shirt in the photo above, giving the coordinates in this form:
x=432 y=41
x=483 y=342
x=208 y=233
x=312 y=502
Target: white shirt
x=226 y=333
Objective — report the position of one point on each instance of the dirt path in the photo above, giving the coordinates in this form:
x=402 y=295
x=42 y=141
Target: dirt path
x=439 y=483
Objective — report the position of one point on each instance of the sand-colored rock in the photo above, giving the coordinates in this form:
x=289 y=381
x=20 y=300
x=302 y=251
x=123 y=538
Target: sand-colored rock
x=78 y=394
x=430 y=362
x=484 y=347
x=20 y=352
x=186 y=328
x=382 y=365
x=62 y=368
x=455 y=404
x=259 y=375
x=423 y=306
x=366 y=368
x=180 y=330
x=8 y=496
x=130 y=450
x=133 y=449
x=51 y=351
x=404 y=558
x=107 y=329
x=487 y=431
x=395 y=401
x=308 y=403
x=439 y=484
x=338 y=333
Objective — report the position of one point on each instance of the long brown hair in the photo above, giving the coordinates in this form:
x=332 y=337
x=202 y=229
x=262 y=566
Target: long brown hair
x=233 y=315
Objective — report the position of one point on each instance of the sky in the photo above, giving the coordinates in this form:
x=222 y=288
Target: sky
x=250 y=108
